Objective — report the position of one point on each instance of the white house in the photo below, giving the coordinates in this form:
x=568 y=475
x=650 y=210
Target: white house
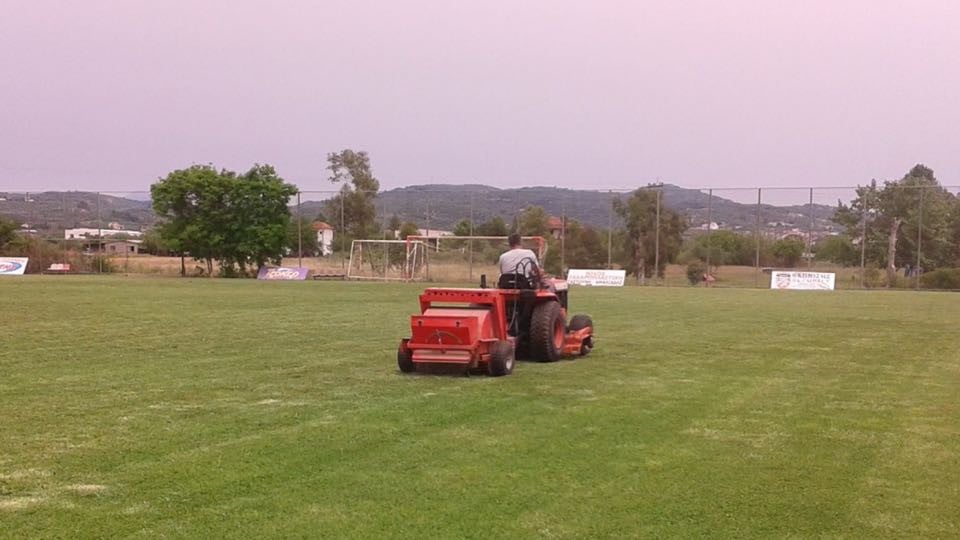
x=324 y=237
x=433 y=233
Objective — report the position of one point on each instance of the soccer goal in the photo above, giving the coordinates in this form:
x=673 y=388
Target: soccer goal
x=461 y=258
x=384 y=260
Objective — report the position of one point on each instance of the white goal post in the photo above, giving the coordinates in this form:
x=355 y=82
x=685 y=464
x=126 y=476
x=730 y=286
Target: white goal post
x=383 y=260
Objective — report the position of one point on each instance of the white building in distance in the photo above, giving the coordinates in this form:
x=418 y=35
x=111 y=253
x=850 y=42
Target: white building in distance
x=82 y=233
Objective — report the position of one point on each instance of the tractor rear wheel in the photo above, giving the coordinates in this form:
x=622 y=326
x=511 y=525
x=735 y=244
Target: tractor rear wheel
x=579 y=322
x=405 y=361
x=501 y=358
x=547 y=331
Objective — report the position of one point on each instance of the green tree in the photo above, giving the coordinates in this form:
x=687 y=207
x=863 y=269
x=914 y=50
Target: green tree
x=358 y=193
x=788 y=251
x=893 y=216
x=495 y=227
x=837 y=249
x=722 y=248
x=462 y=228
x=300 y=233
x=639 y=216
x=533 y=222
x=8 y=232
x=394 y=226
x=154 y=243
x=407 y=229
x=239 y=221
x=584 y=246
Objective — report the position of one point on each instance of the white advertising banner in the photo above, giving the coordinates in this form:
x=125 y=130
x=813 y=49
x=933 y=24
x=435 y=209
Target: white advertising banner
x=804 y=281
x=597 y=278
x=13 y=266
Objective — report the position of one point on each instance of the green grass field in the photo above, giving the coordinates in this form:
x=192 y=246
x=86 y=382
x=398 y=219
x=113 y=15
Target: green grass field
x=136 y=407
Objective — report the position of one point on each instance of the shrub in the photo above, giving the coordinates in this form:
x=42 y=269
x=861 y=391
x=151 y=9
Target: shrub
x=873 y=278
x=944 y=278
x=788 y=251
x=695 y=272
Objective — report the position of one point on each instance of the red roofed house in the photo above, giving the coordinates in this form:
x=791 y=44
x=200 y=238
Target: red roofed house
x=324 y=237
x=555 y=226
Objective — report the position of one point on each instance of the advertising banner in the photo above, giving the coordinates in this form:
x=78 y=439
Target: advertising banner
x=803 y=281
x=597 y=278
x=280 y=273
x=13 y=266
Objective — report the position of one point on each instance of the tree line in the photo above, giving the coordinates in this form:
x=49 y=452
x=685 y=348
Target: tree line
x=241 y=221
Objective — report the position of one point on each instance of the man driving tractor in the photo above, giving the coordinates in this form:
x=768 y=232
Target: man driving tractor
x=518 y=259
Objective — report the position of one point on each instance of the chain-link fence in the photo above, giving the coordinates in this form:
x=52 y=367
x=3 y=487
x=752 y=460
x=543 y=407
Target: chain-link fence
x=903 y=236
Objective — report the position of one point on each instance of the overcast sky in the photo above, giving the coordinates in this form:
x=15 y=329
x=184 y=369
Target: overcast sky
x=106 y=95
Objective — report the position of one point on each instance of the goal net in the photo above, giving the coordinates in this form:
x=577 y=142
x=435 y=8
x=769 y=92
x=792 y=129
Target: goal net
x=385 y=260
x=461 y=259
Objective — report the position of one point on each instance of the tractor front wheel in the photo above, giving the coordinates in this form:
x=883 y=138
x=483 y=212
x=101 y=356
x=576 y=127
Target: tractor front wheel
x=501 y=358
x=405 y=360
x=547 y=331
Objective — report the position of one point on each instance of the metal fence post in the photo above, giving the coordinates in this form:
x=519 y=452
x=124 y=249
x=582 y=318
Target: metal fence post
x=810 y=233
x=563 y=234
x=343 y=236
x=470 y=247
x=709 y=232
x=919 y=269
x=656 y=240
x=299 y=234
x=386 y=236
x=99 y=237
x=610 y=234
x=756 y=271
x=63 y=206
x=863 y=248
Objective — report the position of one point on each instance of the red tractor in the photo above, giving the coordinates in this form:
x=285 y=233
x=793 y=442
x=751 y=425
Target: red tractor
x=486 y=328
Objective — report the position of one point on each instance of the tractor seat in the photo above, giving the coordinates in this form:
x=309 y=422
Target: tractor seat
x=514 y=281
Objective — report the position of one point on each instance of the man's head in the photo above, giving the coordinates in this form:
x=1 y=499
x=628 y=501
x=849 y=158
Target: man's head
x=514 y=240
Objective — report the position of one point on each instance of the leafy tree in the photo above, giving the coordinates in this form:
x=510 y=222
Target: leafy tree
x=639 y=216
x=240 y=221
x=584 y=246
x=189 y=204
x=722 y=248
x=394 y=225
x=462 y=228
x=495 y=227
x=357 y=193
x=893 y=216
x=154 y=243
x=8 y=232
x=837 y=249
x=788 y=251
x=261 y=218
x=533 y=222
x=300 y=233
x=408 y=228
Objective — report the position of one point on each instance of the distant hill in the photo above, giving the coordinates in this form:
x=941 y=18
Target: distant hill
x=448 y=204
x=58 y=210
x=440 y=206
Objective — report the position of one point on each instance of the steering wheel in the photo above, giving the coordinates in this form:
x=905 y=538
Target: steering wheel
x=529 y=268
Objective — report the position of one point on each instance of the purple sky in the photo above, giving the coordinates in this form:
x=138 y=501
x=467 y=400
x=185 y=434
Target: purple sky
x=110 y=95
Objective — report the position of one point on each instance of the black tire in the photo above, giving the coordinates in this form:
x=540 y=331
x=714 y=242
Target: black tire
x=546 y=324
x=502 y=358
x=405 y=361
x=579 y=322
